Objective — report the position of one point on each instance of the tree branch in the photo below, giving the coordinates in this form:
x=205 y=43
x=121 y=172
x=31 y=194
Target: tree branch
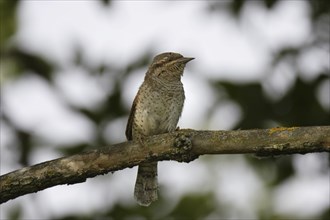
x=183 y=145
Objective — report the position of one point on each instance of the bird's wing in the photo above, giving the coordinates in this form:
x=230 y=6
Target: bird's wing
x=129 y=126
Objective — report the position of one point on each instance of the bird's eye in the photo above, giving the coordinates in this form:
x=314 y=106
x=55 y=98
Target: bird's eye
x=161 y=73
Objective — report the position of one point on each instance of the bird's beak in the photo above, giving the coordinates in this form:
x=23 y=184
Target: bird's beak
x=186 y=59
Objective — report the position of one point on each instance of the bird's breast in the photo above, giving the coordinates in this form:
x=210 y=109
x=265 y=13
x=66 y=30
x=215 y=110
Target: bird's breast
x=159 y=111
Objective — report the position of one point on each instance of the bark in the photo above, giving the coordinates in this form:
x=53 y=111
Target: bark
x=183 y=146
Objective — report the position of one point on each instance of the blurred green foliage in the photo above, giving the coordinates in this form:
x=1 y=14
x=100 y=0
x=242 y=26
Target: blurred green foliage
x=7 y=17
x=297 y=107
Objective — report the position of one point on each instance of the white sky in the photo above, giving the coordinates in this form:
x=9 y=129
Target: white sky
x=223 y=48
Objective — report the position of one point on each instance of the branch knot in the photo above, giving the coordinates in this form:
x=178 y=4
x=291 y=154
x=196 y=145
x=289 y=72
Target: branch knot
x=183 y=143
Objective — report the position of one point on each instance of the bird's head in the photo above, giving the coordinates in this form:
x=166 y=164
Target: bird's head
x=168 y=65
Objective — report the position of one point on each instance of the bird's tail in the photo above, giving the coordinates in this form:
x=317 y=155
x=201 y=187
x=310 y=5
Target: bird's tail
x=146 y=185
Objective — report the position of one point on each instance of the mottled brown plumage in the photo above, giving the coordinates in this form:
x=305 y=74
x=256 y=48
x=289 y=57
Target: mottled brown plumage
x=156 y=109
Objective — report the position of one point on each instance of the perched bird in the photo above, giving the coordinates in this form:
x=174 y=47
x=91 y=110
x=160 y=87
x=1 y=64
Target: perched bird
x=156 y=109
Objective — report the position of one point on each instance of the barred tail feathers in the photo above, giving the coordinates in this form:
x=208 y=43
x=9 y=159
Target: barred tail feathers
x=146 y=185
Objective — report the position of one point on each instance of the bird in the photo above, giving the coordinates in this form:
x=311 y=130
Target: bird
x=156 y=109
